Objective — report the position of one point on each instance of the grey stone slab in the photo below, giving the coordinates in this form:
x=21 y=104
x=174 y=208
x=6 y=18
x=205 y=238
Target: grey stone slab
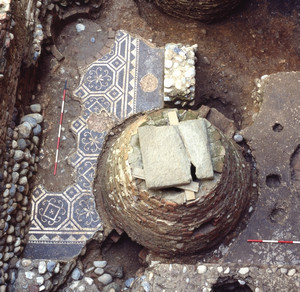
x=194 y=136
x=166 y=163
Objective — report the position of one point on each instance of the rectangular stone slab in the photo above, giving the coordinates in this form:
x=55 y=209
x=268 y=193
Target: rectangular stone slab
x=166 y=163
x=194 y=136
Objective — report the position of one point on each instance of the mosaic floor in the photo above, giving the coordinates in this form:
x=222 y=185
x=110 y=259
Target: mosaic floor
x=126 y=81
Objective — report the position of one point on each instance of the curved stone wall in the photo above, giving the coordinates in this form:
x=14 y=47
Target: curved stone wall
x=159 y=219
x=205 y=10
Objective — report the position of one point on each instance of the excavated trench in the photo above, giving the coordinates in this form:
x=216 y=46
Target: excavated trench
x=259 y=38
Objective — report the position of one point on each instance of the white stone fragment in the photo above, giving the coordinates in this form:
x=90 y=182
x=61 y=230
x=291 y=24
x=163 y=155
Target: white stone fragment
x=42 y=268
x=201 y=269
x=184 y=269
x=88 y=280
x=29 y=275
x=219 y=269
x=80 y=27
x=40 y=280
x=244 y=271
x=291 y=272
x=227 y=271
x=283 y=270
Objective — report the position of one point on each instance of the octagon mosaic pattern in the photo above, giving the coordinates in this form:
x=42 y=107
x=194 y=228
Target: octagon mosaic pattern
x=62 y=222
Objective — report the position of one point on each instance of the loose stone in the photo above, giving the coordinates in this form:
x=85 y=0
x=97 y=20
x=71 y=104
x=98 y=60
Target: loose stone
x=238 y=138
x=99 y=271
x=24 y=130
x=32 y=121
x=105 y=279
x=23 y=180
x=76 y=274
x=19 y=155
x=15 y=177
x=51 y=266
x=129 y=282
x=37 y=130
x=100 y=264
x=37 y=117
x=88 y=280
x=22 y=144
x=42 y=267
x=26 y=263
x=36 y=108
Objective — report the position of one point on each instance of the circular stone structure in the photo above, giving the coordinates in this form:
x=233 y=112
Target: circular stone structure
x=173 y=214
x=204 y=10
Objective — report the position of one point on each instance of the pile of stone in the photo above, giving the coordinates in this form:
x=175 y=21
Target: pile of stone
x=19 y=167
x=205 y=10
x=42 y=275
x=179 y=74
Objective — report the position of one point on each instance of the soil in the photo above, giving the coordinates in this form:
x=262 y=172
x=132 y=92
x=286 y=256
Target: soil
x=262 y=37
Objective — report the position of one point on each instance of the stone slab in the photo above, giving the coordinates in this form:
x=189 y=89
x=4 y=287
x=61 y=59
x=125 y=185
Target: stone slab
x=165 y=160
x=276 y=214
x=190 y=195
x=194 y=136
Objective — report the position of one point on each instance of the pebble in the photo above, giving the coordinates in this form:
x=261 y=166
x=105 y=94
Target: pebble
x=42 y=267
x=80 y=27
x=40 y=280
x=283 y=270
x=19 y=155
x=42 y=288
x=128 y=283
x=22 y=144
x=100 y=264
x=243 y=271
x=32 y=121
x=15 y=177
x=93 y=39
x=57 y=268
x=23 y=180
x=105 y=279
x=26 y=263
x=24 y=130
x=12 y=190
x=51 y=266
x=38 y=117
x=238 y=138
x=37 y=130
x=227 y=271
x=76 y=274
x=291 y=272
x=36 y=108
x=99 y=271
x=88 y=280
x=219 y=269
x=201 y=269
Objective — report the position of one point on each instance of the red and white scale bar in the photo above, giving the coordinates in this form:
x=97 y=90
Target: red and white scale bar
x=60 y=125
x=274 y=241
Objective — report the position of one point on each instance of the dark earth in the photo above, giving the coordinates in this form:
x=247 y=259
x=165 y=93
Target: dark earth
x=261 y=37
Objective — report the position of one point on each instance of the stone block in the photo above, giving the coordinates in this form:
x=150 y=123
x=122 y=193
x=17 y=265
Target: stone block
x=166 y=163
x=194 y=136
x=220 y=121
